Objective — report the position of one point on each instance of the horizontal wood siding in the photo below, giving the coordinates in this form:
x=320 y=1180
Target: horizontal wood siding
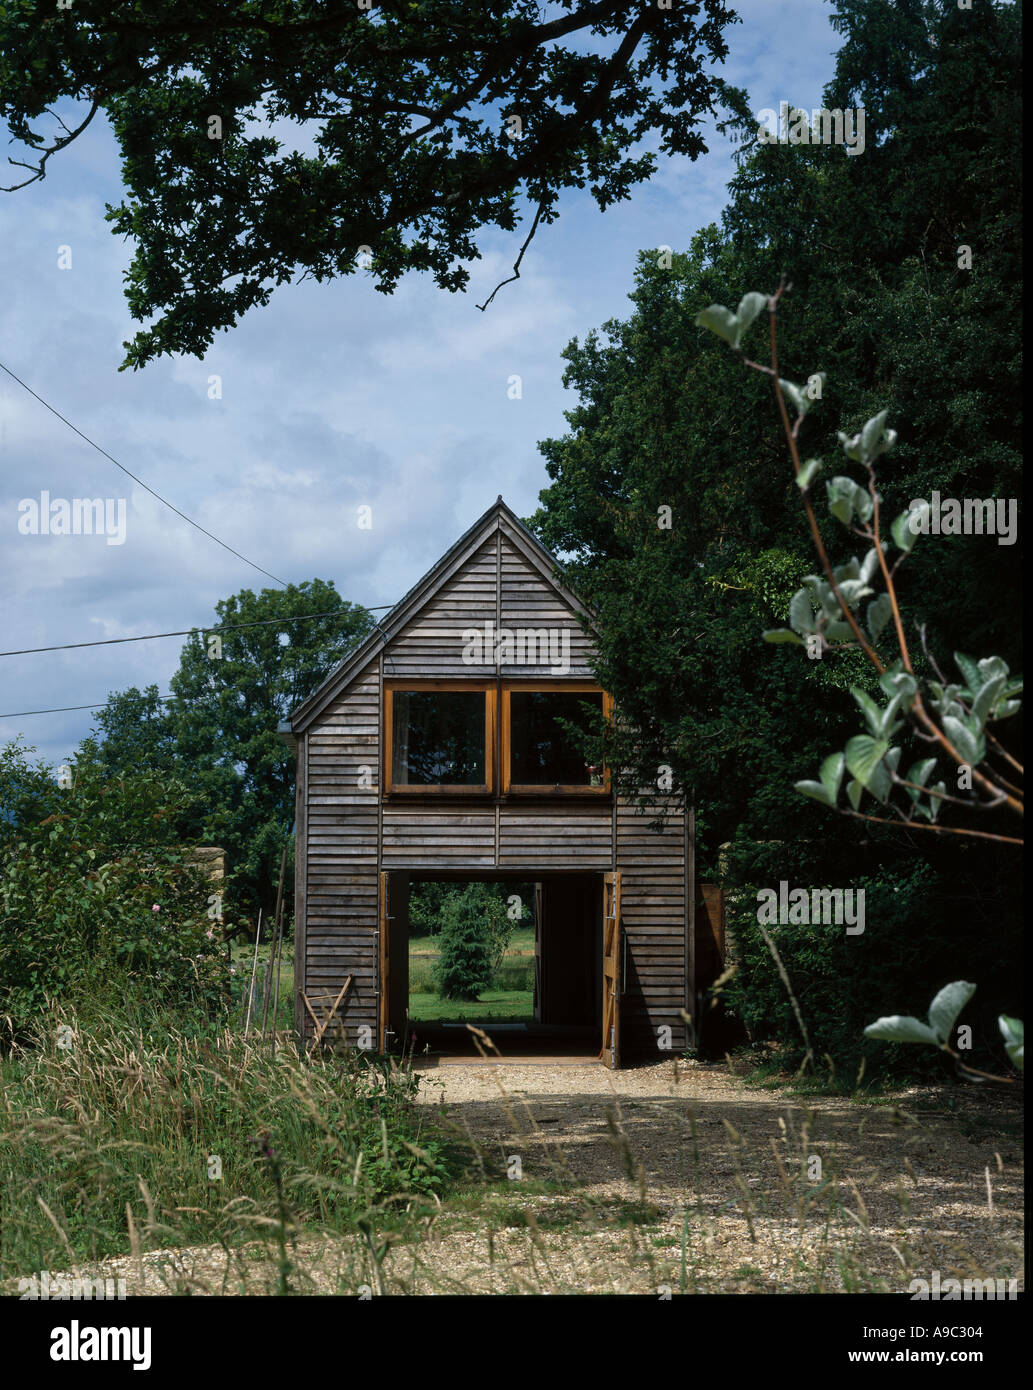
x=441 y=836
x=530 y=601
x=558 y=836
x=341 y=884
x=652 y=868
x=431 y=644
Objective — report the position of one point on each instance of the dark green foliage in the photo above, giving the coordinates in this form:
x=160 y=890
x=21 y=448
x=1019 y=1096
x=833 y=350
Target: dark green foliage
x=475 y=928
x=219 y=734
x=100 y=894
x=414 y=150
x=666 y=418
x=426 y=904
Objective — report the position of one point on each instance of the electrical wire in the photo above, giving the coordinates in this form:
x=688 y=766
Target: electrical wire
x=163 y=500
x=188 y=631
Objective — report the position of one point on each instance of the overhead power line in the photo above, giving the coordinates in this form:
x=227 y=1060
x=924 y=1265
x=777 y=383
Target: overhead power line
x=188 y=631
x=163 y=500
x=65 y=709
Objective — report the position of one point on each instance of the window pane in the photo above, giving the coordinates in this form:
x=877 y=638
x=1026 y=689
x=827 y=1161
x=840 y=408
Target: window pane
x=438 y=738
x=541 y=753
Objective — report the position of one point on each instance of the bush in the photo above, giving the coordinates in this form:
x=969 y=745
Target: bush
x=841 y=982
x=96 y=894
x=475 y=930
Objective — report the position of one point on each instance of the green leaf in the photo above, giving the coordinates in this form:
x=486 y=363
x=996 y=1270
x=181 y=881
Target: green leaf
x=968 y=745
x=880 y=610
x=984 y=703
x=873 y=440
x=969 y=669
x=944 y=1009
x=991 y=667
x=896 y=681
x=817 y=791
x=795 y=396
x=918 y=773
x=749 y=307
x=869 y=565
x=781 y=634
x=847 y=498
x=1011 y=1032
x=901 y=1028
x=801 y=612
x=720 y=321
x=831 y=774
x=731 y=326
x=888 y=724
x=855 y=791
x=872 y=435
x=902 y=533
x=870 y=710
x=808 y=471
x=863 y=757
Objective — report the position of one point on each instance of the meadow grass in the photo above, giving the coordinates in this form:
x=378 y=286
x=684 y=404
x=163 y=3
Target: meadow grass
x=112 y=1125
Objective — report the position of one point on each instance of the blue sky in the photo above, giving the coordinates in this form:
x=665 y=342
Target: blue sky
x=333 y=397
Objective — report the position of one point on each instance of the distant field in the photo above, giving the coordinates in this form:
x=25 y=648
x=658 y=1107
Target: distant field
x=521 y=941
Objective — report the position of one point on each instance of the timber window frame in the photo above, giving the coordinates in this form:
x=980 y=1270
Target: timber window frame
x=543 y=789
x=471 y=687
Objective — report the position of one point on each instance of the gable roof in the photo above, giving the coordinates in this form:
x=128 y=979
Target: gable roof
x=498 y=518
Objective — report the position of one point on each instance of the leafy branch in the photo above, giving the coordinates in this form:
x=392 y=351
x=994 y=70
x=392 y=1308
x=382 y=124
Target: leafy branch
x=952 y=715
x=943 y=1014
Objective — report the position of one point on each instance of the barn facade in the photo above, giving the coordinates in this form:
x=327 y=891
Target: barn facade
x=434 y=751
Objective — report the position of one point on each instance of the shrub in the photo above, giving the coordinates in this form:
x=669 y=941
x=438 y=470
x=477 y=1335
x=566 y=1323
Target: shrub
x=475 y=929
x=96 y=894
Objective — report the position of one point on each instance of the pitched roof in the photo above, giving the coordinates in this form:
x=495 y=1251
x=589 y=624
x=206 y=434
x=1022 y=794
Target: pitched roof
x=497 y=518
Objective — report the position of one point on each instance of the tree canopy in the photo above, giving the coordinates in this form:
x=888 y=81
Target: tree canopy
x=887 y=304
x=261 y=139
x=264 y=655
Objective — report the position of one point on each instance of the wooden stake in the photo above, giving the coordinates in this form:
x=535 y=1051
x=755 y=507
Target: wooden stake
x=278 y=947
x=254 y=971
x=269 y=972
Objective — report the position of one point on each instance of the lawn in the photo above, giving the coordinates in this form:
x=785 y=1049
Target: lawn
x=513 y=1005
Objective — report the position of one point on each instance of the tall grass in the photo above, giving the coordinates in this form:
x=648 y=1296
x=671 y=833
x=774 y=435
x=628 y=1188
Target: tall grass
x=109 y=1127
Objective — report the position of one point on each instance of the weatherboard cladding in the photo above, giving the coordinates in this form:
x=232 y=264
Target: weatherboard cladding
x=497 y=573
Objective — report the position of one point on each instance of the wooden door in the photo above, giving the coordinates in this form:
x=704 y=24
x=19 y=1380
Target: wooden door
x=384 y=962
x=611 y=1053
x=537 y=953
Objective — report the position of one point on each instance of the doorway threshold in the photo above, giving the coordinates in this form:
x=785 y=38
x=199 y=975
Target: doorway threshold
x=552 y=1059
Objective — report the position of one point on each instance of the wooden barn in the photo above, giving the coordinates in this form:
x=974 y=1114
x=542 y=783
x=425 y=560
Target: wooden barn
x=434 y=752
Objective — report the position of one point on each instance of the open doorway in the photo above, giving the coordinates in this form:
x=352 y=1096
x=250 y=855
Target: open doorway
x=520 y=959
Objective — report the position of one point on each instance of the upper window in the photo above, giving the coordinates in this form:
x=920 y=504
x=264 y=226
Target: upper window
x=541 y=749
x=440 y=738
